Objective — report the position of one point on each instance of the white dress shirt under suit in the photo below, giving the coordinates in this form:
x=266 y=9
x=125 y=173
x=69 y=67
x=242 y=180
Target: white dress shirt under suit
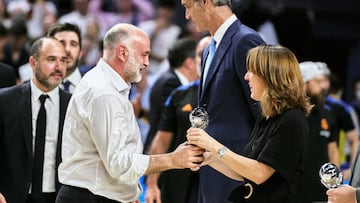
x=52 y=106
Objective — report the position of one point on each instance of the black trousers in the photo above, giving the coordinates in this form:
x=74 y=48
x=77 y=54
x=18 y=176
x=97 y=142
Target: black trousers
x=43 y=198
x=71 y=194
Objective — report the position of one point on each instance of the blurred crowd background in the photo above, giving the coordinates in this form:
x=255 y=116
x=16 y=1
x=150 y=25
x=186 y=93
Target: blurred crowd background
x=318 y=30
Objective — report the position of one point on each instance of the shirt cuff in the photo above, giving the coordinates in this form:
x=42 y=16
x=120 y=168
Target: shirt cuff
x=142 y=163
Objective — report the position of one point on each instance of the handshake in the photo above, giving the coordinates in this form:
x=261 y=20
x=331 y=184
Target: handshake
x=199 y=150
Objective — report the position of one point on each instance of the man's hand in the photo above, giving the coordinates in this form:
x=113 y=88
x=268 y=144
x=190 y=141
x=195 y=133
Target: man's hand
x=187 y=156
x=153 y=194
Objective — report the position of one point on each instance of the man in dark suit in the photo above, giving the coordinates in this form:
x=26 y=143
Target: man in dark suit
x=21 y=180
x=7 y=76
x=182 y=71
x=348 y=193
x=223 y=91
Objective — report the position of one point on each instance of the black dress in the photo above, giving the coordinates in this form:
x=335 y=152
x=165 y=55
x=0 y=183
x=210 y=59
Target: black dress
x=280 y=143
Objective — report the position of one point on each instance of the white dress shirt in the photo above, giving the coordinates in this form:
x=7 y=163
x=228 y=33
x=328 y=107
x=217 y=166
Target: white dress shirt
x=102 y=148
x=74 y=79
x=52 y=106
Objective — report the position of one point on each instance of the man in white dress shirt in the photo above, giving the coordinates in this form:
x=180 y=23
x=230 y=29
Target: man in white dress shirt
x=102 y=148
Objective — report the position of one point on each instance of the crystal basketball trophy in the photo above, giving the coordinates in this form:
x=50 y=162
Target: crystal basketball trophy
x=199 y=118
x=330 y=175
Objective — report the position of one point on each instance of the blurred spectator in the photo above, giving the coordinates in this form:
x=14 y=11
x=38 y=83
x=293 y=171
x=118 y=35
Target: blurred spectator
x=16 y=50
x=133 y=11
x=7 y=76
x=79 y=15
x=346 y=118
x=356 y=95
x=63 y=6
x=172 y=128
x=105 y=15
x=3 y=39
x=90 y=42
x=41 y=12
x=182 y=70
x=322 y=140
x=3 y=11
x=47 y=21
x=85 y=68
x=259 y=16
x=163 y=34
x=19 y=7
x=189 y=30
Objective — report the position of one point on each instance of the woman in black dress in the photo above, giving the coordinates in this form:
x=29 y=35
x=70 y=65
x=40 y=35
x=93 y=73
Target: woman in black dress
x=272 y=162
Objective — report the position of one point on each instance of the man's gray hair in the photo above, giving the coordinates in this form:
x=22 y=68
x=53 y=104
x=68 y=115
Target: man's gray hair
x=120 y=33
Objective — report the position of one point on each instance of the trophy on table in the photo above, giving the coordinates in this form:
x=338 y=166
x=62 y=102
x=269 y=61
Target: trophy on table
x=330 y=175
x=199 y=118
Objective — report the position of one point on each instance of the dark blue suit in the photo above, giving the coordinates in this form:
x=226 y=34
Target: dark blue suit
x=226 y=96
x=16 y=148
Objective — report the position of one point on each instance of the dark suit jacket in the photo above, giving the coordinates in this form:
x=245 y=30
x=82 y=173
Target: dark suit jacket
x=355 y=176
x=159 y=92
x=7 y=76
x=16 y=153
x=226 y=96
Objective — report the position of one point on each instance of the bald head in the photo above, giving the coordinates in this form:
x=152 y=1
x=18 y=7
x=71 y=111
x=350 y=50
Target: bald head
x=122 y=33
x=127 y=50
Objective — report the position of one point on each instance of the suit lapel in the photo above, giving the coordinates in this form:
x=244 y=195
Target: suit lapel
x=219 y=55
x=64 y=100
x=354 y=180
x=203 y=59
x=25 y=114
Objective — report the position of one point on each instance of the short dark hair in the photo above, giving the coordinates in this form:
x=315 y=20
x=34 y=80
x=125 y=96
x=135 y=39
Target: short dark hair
x=64 y=27
x=36 y=46
x=182 y=49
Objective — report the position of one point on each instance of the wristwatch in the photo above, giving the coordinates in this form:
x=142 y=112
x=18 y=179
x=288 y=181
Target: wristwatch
x=221 y=151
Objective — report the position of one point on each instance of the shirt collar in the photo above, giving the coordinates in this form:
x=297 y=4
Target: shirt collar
x=114 y=78
x=182 y=78
x=220 y=32
x=36 y=92
x=74 y=78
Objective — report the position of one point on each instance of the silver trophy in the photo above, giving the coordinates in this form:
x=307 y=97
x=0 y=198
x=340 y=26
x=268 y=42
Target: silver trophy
x=330 y=175
x=199 y=118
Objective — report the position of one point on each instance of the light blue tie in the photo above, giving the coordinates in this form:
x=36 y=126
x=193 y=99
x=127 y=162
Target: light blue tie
x=212 y=49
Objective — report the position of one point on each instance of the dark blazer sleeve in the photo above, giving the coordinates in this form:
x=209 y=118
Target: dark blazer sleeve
x=7 y=75
x=15 y=142
x=64 y=101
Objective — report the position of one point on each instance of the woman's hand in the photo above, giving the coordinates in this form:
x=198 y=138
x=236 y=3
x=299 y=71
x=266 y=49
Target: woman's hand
x=200 y=138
